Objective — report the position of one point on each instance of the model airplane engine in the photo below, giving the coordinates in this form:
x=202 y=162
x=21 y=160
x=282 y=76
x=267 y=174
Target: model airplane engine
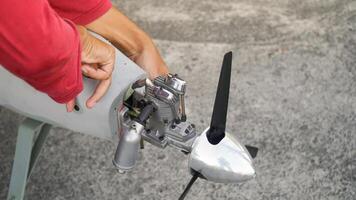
x=155 y=112
x=168 y=126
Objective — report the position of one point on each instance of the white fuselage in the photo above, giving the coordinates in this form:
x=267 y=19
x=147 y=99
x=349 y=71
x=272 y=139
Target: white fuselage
x=101 y=121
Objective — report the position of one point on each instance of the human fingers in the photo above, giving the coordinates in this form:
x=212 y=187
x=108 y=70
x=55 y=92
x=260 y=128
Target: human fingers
x=99 y=92
x=70 y=105
x=99 y=73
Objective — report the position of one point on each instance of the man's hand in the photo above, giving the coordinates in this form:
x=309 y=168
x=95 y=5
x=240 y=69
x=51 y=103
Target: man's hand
x=98 y=59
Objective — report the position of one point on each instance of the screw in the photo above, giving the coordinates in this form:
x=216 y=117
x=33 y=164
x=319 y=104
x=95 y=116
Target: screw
x=76 y=108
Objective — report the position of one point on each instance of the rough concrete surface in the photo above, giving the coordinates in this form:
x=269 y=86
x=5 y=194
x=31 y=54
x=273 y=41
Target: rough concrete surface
x=293 y=95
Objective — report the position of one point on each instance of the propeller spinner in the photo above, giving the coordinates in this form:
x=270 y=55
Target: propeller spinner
x=217 y=155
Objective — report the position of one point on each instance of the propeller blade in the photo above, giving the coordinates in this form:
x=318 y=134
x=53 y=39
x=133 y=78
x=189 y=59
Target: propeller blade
x=252 y=150
x=218 y=120
x=187 y=188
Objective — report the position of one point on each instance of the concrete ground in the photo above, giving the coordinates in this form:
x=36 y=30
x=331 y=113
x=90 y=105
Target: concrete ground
x=293 y=95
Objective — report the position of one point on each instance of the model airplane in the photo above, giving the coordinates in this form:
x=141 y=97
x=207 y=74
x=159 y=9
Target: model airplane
x=136 y=109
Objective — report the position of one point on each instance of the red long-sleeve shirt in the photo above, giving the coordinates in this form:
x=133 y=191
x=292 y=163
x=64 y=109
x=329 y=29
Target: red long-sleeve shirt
x=40 y=44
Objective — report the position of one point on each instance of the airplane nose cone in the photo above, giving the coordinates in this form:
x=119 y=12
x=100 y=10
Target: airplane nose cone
x=226 y=162
x=248 y=172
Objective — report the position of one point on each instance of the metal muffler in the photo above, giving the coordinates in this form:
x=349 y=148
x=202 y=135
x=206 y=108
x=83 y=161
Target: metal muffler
x=129 y=144
x=127 y=150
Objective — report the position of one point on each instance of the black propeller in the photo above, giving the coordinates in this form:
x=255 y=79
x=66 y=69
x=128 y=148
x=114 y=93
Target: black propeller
x=218 y=120
x=187 y=188
x=252 y=150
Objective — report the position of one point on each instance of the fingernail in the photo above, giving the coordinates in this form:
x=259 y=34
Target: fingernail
x=84 y=70
x=91 y=104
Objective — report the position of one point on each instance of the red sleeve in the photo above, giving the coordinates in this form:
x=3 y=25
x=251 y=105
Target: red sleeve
x=81 y=12
x=41 y=48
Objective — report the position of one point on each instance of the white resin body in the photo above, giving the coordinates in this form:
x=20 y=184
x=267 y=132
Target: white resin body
x=101 y=121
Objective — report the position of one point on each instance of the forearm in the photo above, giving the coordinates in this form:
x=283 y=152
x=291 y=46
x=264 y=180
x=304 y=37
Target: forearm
x=131 y=40
x=40 y=48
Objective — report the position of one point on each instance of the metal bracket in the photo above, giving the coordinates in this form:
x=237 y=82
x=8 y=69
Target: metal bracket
x=31 y=136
